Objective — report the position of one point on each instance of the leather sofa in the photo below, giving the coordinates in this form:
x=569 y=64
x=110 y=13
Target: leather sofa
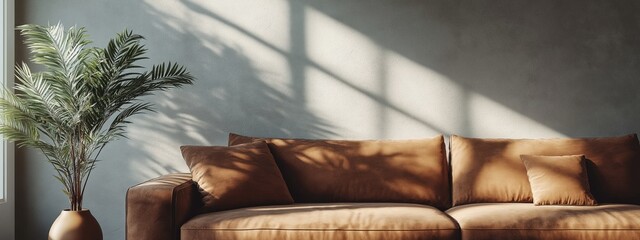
x=405 y=189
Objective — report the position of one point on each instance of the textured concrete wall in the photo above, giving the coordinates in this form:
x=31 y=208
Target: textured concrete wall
x=349 y=69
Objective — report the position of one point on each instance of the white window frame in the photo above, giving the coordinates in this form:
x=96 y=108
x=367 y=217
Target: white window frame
x=7 y=157
x=6 y=79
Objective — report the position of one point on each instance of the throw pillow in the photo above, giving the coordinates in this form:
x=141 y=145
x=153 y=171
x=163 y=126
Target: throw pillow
x=558 y=180
x=234 y=177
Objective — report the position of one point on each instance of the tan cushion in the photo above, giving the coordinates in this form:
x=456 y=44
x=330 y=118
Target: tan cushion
x=324 y=221
x=490 y=170
x=558 y=180
x=526 y=221
x=409 y=171
x=239 y=176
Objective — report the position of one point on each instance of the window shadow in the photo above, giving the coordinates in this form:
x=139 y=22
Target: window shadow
x=556 y=63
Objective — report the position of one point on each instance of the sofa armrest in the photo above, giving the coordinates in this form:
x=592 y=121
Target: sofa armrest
x=157 y=208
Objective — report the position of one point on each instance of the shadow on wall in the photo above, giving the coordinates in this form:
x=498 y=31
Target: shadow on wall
x=229 y=95
x=300 y=64
x=571 y=66
x=535 y=64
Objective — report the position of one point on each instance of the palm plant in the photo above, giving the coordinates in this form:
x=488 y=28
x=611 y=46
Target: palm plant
x=81 y=100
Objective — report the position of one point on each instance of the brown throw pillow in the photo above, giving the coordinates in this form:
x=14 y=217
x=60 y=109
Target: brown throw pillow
x=239 y=176
x=407 y=171
x=558 y=180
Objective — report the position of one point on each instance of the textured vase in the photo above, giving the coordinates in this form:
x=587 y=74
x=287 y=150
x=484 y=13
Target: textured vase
x=75 y=225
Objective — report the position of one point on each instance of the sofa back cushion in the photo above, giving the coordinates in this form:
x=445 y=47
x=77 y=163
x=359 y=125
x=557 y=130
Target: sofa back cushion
x=490 y=170
x=409 y=171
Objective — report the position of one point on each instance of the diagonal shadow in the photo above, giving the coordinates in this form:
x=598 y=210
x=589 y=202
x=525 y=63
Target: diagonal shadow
x=297 y=55
x=553 y=62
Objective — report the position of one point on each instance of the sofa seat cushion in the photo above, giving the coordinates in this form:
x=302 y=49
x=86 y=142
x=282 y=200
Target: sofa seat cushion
x=324 y=221
x=527 y=221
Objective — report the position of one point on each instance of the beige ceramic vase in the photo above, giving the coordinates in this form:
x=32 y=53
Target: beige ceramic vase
x=75 y=225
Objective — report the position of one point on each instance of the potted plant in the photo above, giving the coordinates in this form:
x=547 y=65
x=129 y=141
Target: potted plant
x=79 y=102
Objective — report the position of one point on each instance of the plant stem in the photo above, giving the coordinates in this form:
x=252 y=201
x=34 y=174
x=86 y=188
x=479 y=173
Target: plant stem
x=72 y=157
x=84 y=186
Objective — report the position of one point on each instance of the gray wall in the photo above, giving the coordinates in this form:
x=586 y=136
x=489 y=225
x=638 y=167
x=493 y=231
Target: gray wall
x=349 y=69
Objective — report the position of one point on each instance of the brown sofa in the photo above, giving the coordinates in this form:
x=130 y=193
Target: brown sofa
x=405 y=190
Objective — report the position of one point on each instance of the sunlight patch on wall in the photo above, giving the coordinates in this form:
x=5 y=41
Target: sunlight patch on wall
x=265 y=20
x=350 y=111
x=341 y=50
x=488 y=118
x=431 y=100
x=368 y=90
x=157 y=152
x=260 y=34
